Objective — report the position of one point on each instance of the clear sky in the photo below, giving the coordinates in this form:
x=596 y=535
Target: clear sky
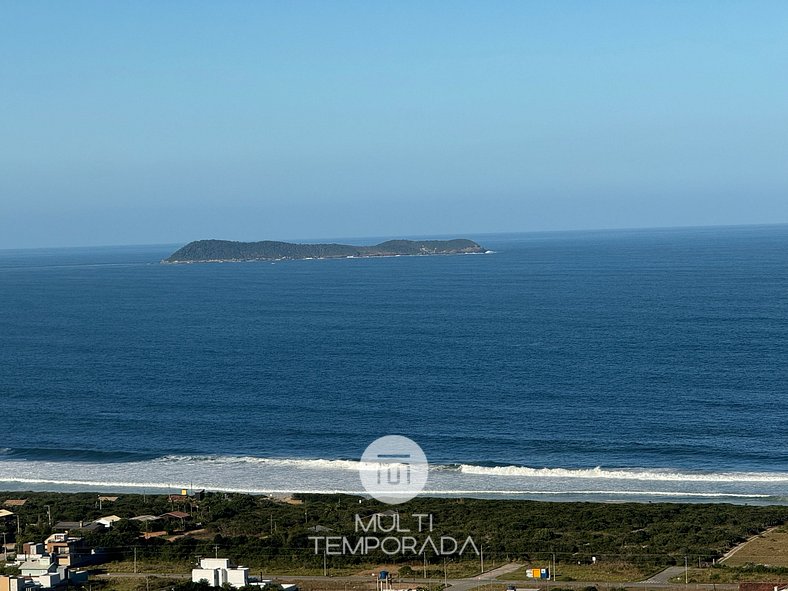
x=166 y=121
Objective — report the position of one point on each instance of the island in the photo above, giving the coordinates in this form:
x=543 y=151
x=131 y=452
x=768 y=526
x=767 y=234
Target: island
x=215 y=251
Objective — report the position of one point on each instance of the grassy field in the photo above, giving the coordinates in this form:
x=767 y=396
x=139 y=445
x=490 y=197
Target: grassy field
x=453 y=569
x=612 y=572
x=127 y=566
x=134 y=584
x=731 y=574
x=769 y=548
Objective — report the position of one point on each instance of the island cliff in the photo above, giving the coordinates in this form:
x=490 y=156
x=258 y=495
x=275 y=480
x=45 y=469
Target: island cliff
x=206 y=251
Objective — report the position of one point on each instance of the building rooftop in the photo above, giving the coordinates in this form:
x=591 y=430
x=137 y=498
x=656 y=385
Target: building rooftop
x=145 y=518
x=176 y=514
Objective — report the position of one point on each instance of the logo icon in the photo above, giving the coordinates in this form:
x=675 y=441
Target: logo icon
x=393 y=469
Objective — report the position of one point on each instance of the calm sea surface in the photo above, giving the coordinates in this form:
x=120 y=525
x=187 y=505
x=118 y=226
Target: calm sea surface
x=600 y=365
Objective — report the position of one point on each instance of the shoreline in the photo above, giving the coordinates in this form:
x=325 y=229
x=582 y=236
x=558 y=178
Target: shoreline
x=135 y=473
x=565 y=497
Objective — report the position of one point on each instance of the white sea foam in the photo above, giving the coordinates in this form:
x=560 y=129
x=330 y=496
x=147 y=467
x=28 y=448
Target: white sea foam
x=289 y=475
x=299 y=464
x=624 y=474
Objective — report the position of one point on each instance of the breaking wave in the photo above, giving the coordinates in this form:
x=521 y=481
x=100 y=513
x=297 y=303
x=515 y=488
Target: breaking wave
x=622 y=474
x=118 y=471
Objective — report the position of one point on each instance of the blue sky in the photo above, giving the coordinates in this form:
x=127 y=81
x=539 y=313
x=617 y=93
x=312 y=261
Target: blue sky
x=162 y=122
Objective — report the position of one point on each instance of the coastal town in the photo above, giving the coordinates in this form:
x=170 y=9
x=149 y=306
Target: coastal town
x=66 y=558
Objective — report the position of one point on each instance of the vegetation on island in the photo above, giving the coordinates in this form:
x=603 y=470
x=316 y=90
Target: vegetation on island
x=202 y=251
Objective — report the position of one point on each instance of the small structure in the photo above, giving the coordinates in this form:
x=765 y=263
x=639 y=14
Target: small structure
x=383 y=582
x=174 y=514
x=320 y=529
x=108 y=520
x=36 y=567
x=35 y=579
x=31 y=551
x=217 y=572
x=144 y=518
x=14 y=502
x=181 y=515
x=67 y=526
x=537 y=573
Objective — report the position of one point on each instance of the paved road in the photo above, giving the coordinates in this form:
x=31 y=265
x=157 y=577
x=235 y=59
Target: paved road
x=483 y=579
x=660 y=580
x=664 y=577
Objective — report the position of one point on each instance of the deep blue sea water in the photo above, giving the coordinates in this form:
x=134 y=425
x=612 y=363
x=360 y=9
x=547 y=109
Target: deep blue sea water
x=649 y=364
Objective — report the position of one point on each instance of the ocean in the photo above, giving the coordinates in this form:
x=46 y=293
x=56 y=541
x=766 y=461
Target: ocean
x=647 y=365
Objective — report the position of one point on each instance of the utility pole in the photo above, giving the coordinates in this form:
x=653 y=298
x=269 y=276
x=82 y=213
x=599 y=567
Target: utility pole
x=686 y=572
x=216 y=551
x=553 y=573
x=445 y=576
x=481 y=558
x=135 y=559
x=325 y=564
x=49 y=515
x=5 y=550
x=425 y=564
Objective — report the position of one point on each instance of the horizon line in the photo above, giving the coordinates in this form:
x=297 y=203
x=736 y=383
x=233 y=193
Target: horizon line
x=384 y=237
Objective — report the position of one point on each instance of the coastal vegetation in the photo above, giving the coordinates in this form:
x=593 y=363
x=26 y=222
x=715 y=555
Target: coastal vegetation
x=273 y=535
x=269 y=250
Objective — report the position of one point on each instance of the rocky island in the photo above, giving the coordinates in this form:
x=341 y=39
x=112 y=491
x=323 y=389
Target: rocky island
x=215 y=251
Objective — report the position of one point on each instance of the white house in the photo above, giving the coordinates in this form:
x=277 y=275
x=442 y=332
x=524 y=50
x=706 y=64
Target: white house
x=217 y=571
x=108 y=520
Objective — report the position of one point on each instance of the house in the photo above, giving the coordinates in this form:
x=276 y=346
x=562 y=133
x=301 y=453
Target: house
x=181 y=515
x=108 y=520
x=34 y=578
x=14 y=502
x=67 y=550
x=144 y=518
x=217 y=572
x=36 y=567
x=31 y=551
